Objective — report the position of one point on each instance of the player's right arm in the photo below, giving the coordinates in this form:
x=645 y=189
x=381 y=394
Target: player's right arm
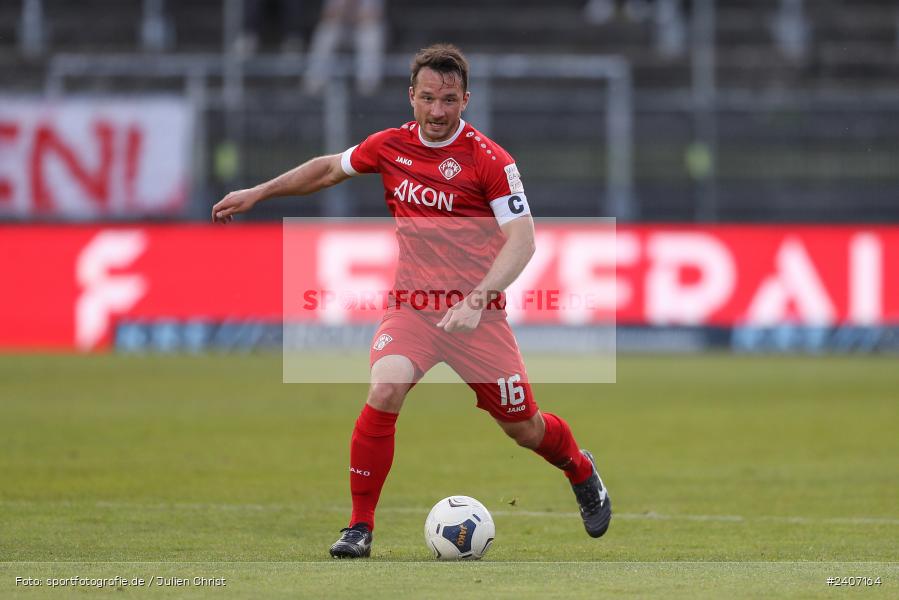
x=308 y=178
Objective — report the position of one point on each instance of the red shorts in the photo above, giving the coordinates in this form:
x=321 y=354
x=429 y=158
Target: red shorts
x=487 y=359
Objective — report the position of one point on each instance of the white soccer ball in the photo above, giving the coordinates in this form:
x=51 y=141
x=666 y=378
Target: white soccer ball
x=459 y=528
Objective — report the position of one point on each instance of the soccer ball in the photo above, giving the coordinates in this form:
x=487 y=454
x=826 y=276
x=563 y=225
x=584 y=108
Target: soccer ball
x=459 y=528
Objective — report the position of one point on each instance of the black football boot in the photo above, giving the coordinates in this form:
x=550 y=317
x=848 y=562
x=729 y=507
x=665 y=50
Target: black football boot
x=354 y=542
x=593 y=501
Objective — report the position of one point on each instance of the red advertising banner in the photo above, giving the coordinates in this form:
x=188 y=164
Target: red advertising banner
x=66 y=286
x=80 y=159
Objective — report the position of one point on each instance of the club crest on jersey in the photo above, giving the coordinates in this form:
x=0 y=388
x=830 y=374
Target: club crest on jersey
x=382 y=341
x=449 y=168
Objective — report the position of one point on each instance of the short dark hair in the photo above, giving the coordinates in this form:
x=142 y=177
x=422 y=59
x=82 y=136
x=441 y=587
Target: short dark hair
x=443 y=58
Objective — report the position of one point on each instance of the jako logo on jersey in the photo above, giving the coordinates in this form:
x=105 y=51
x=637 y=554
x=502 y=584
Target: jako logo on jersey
x=411 y=192
x=449 y=168
x=360 y=472
x=404 y=160
x=383 y=340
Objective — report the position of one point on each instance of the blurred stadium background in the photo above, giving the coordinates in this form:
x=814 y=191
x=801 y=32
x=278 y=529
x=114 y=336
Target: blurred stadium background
x=747 y=149
x=761 y=114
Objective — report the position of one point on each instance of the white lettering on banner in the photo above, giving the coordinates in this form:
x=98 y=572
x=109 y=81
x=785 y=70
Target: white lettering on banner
x=627 y=253
x=341 y=255
x=865 y=279
x=796 y=283
x=416 y=193
x=87 y=159
x=104 y=293
x=531 y=276
x=581 y=259
x=670 y=300
x=653 y=276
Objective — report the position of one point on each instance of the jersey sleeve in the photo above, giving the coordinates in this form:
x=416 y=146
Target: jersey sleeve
x=364 y=157
x=503 y=187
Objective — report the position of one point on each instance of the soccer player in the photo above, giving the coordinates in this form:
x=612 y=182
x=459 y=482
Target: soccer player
x=443 y=181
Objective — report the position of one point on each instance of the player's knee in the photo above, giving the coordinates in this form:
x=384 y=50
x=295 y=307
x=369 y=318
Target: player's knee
x=387 y=396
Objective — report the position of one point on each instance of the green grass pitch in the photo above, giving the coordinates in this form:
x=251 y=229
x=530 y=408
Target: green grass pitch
x=731 y=476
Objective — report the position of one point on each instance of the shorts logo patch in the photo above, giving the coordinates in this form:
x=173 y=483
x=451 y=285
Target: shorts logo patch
x=382 y=341
x=449 y=168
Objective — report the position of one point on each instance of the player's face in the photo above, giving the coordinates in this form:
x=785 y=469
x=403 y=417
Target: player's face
x=437 y=103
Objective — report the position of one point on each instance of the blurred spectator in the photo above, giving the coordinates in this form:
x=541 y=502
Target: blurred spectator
x=670 y=27
x=288 y=15
x=156 y=28
x=790 y=30
x=31 y=29
x=366 y=19
x=668 y=16
x=599 y=12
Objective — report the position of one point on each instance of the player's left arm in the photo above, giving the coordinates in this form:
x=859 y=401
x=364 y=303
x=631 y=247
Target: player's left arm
x=511 y=260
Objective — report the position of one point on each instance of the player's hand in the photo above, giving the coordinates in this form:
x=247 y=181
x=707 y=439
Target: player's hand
x=234 y=203
x=462 y=316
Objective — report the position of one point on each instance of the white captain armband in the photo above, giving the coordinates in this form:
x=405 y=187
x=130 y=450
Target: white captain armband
x=345 y=163
x=508 y=208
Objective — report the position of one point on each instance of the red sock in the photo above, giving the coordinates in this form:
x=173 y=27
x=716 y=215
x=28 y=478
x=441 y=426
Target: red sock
x=371 y=455
x=559 y=448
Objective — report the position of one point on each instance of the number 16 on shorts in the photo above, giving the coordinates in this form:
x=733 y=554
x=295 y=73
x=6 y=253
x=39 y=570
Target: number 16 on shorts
x=509 y=391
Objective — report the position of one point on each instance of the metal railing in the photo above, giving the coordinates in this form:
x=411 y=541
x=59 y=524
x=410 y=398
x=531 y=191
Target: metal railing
x=197 y=70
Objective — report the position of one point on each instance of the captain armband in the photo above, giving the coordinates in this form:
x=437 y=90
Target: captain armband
x=508 y=208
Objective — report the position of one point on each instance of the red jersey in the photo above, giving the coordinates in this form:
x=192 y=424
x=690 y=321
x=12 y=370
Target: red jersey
x=449 y=199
